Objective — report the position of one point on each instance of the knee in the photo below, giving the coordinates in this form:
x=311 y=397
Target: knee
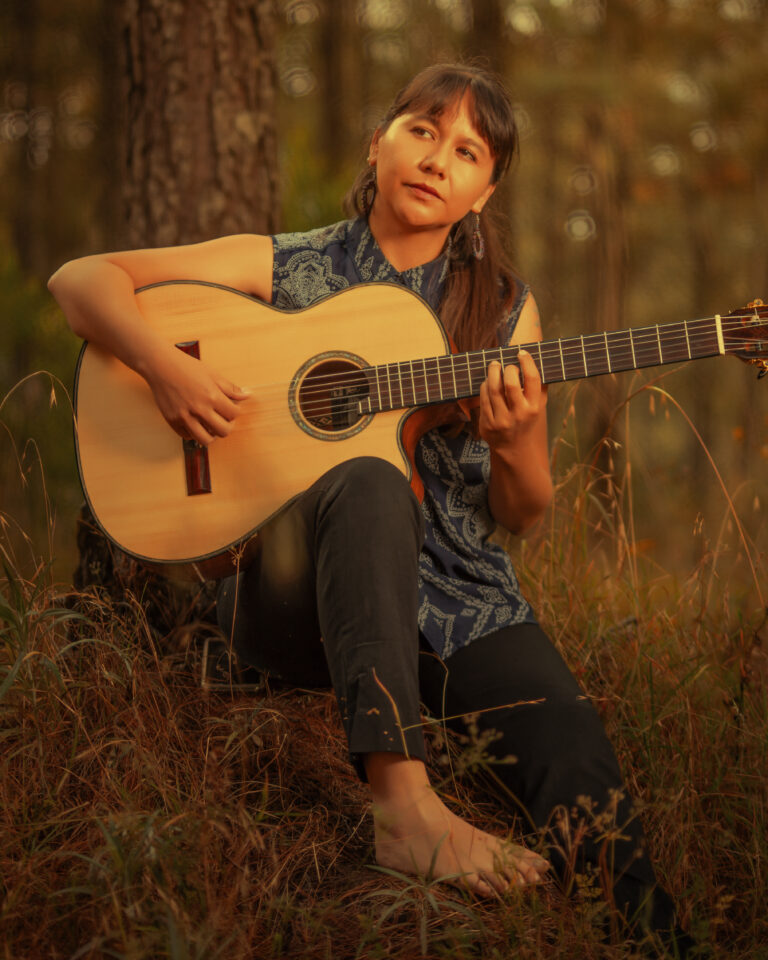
x=370 y=473
x=561 y=753
x=376 y=485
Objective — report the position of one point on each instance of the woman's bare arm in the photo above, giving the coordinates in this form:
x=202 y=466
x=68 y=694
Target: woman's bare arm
x=96 y=294
x=513 y=420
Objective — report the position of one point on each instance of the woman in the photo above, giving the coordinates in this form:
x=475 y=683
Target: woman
x=430 y=610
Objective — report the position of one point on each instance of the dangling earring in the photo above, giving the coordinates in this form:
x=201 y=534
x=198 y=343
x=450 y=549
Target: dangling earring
x=369 y=193
x=478 y=241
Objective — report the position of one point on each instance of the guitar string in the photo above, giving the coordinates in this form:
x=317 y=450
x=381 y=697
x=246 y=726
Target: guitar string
x=432 y=368
x=322 y=407
x=400 y=395
x=595 y=343
x=564 y=353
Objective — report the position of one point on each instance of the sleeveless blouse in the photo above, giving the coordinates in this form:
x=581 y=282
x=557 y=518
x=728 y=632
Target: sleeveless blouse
x=467 y=584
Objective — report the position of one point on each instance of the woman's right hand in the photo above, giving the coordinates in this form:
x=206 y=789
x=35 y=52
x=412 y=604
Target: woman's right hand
x=198 y=403
x=96 y=294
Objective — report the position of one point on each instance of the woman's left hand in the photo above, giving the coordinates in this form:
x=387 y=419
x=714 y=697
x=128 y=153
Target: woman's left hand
x=510 y=407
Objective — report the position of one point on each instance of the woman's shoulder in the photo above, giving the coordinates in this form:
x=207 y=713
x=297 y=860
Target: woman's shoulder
x=312 y=264
x=318 y=238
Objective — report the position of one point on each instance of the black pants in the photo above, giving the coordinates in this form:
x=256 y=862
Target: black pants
x=341 y=564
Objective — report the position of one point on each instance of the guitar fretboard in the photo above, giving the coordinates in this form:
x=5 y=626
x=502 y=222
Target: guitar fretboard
x=456 y=376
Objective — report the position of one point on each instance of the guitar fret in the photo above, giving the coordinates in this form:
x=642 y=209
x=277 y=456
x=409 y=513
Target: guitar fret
x=468 y=372
x=405 y=383
x=446 y=377
x=438 y=394
x=704 y=340
x=420 y=379
x=451 y=376
x=478 y=372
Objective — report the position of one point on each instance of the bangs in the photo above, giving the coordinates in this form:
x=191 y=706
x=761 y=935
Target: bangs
x=438 y=90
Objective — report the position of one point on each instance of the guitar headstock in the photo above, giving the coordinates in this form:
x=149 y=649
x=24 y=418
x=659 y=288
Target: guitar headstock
x=745 y=334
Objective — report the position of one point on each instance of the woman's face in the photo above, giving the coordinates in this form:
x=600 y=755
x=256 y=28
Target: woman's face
x=431 y=171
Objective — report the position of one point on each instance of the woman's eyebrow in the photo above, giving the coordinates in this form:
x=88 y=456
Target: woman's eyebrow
x=479 y=145
x=437 y=121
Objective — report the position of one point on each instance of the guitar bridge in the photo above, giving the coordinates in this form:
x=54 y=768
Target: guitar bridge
x=197 y=469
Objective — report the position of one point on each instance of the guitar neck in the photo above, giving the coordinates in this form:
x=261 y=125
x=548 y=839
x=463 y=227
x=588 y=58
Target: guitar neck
x=457 y=376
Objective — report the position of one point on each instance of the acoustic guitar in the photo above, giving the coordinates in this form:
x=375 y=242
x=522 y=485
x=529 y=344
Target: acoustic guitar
x=364 y=372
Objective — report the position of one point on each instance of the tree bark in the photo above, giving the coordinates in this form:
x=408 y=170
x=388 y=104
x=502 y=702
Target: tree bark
x=200 y=156
x=487 y=38
x=343 y=84
x=199 y=160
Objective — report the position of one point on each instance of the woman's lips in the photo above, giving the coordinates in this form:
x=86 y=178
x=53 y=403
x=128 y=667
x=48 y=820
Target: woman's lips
x=424 y=190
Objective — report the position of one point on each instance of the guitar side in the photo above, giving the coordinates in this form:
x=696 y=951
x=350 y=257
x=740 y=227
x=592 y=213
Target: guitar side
x=132 y=465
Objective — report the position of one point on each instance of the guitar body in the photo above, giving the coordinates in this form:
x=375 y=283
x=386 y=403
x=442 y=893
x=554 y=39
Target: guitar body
x=134 y=468
x=364 y=372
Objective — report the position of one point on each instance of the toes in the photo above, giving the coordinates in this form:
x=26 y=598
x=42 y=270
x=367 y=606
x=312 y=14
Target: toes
x=495 y=879
x=528 y=874
x=522 y=866
x=484 y=886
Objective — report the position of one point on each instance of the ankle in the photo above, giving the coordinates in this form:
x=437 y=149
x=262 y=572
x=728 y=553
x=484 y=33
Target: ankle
x=396 y=779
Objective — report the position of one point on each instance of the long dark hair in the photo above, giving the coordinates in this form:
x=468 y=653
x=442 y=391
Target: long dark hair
x=478 y=293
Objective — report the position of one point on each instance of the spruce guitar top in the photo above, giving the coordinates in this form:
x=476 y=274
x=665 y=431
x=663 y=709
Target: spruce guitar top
x=364 y=372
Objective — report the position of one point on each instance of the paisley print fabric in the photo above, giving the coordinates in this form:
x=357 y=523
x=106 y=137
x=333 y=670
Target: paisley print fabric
x=467 y=584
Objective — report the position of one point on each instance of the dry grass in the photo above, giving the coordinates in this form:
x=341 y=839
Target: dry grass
x=143 y=815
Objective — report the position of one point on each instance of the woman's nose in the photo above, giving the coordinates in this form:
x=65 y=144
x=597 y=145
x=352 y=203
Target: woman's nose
x=435 y=161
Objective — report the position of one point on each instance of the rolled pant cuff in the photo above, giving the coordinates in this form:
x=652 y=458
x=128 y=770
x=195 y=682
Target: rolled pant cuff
x=374 y=722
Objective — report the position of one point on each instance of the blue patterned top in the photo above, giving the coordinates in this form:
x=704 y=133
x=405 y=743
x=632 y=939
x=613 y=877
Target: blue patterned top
x=467 y=585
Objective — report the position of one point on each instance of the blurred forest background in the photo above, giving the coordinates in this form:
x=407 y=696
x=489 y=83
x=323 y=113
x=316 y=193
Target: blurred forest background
x=641 y=196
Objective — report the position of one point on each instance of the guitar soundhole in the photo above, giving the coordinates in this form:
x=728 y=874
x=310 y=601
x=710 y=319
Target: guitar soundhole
x=326 y=395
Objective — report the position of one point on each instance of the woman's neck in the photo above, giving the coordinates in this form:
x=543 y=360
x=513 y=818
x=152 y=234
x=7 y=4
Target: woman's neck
x=403 y=248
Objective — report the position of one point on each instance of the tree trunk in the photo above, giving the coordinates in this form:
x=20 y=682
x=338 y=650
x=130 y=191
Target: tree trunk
x=200 y=160
x=343 y=84
x=200 y=145
x=487 y=38
x=605 y=157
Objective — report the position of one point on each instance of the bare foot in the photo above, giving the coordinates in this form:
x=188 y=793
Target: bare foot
x=417 y=834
